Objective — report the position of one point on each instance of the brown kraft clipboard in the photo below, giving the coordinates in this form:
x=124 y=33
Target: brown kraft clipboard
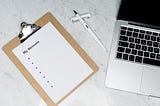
x=48 y=17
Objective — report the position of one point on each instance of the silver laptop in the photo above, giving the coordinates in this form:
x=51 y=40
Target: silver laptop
x=134 y=62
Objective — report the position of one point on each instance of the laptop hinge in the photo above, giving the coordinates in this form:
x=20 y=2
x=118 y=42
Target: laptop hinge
x=144 y=25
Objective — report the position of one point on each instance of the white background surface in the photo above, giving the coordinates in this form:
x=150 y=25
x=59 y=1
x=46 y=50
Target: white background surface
x=16 y=91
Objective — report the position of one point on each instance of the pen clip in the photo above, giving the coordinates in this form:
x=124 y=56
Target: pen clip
x=27 y=30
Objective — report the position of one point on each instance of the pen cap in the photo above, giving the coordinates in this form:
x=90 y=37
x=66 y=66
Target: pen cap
x=86 y=15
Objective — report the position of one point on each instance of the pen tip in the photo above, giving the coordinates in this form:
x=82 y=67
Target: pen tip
x=75 y=12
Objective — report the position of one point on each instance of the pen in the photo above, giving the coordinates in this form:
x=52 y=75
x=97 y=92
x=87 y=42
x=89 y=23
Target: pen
x=86 y=26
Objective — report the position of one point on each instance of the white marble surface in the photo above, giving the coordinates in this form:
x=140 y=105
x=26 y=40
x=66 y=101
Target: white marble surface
x=16 y=91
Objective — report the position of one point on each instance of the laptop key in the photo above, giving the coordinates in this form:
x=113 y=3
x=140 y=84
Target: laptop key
x=123 y=27
x=131 y=45
x=128 y=50
x=158 y=56
x=150 y=49
x=152 y=55
x=138 y=59
x=138 y=46
x=129 y=33
x=137 y=41
x=155 y=44
x=119 y=55
x=147 y=37
x=144 y=48
x=154 y=33
x=125 y=56
x=124 y=44
x=135 y=34
x=131 y=57
x=131 y=39
x=143 y=42
x=123 y=32
x=130 y=29
x=121 y=49
x=156 y=50
x=158 y=39
x=142 y=31
x=149 y=43
x=123 y=38
x=151 y=61
x=148 y=32
x=146 y=54
x=134 y=52
x=153 y=38
x=140 y=53
x=141 y=36
x=136 y=30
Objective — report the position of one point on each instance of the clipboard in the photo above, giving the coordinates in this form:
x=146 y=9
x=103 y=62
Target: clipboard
x=48 y=17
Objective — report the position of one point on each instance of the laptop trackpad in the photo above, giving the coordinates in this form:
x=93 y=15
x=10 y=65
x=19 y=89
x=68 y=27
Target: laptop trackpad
x=151 y=81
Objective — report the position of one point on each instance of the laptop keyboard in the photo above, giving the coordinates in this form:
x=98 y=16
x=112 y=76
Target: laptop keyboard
x=140 y=46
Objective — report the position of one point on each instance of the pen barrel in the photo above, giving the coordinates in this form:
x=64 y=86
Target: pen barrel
x=86 y=26
x=94 y=35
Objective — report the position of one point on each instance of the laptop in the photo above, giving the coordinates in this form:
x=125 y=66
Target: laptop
x=134 y=62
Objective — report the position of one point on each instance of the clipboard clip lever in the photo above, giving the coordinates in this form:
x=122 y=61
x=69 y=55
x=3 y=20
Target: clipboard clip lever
x=27 y=30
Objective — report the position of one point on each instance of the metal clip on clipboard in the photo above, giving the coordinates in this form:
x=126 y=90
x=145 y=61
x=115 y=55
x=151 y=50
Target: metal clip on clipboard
x=27 y=30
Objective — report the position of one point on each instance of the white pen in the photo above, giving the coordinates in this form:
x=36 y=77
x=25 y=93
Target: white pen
x=89 y=29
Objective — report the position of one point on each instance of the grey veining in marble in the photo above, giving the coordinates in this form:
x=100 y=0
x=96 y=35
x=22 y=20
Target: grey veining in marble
x=16 y=91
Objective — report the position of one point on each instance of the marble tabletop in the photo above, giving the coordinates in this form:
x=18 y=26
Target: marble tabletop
x=14 y=88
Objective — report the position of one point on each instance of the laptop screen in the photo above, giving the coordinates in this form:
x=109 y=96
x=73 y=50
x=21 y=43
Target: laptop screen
x=142 y=11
